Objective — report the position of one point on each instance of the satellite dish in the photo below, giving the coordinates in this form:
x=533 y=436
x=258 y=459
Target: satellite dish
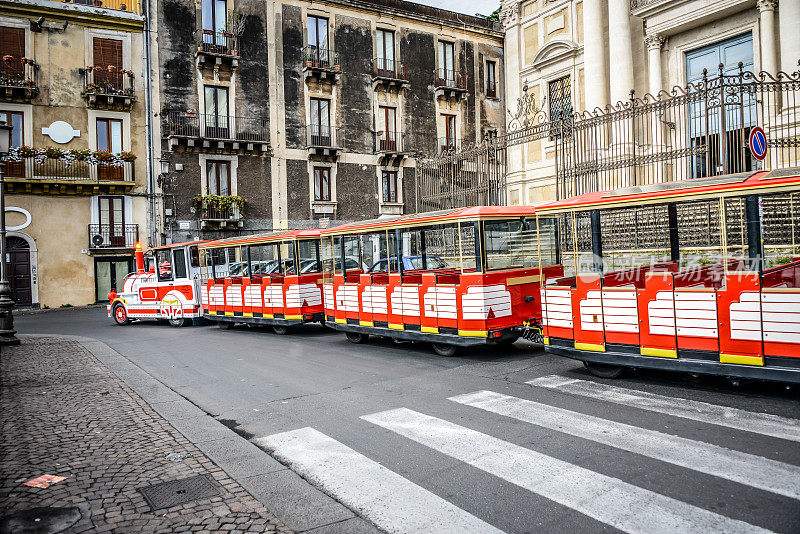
x=97 y=240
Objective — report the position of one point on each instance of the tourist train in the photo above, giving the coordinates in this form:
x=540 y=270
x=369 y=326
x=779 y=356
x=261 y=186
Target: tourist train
x=701 y=276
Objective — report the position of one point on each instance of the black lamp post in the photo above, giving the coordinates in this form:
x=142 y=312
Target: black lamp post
x=7 y=331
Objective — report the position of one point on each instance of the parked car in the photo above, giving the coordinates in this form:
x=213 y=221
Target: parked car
x=409 y=263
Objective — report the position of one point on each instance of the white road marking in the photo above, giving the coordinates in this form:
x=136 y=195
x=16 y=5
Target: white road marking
x=741 y=467
x=759 y=423
x=392 y=502
x=606 y=499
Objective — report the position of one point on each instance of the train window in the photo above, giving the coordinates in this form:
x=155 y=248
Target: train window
x=634 y=237
x=179 y=256
x=466 y=240
x=164 y=265
x=235 y=263
x=264 y=259
x=548 y=241
x=509 y=245
x=441 y=245
x=220 y=262
x=308 y=256
x=287 y=258
x=194 y=257
x=205 y=264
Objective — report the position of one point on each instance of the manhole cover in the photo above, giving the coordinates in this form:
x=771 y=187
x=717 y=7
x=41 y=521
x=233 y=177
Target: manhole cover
x=175 y=492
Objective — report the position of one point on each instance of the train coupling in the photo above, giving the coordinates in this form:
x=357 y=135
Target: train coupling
x=533 y=333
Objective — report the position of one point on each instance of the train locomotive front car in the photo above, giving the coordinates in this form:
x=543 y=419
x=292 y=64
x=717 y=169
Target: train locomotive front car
x=269 y=279
x=701 y=276
x=165 y=286
x=454 y=278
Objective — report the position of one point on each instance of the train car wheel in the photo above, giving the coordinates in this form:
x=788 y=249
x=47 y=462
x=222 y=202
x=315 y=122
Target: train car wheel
x=357 y=338
x=604 y=370
x=443 y=349
x=225 y=325
x=120 y=314
x=280 y=329
x=177 y=322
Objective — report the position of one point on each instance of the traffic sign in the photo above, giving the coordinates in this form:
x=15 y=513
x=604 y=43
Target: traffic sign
x=758 y=143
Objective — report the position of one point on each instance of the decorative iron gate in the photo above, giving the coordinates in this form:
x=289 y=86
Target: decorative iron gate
x=695 y=131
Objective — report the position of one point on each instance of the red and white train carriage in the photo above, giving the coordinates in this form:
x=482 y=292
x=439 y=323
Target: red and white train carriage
x=271 y=279
x=454 y=278
x=168 y=289
x=701 y=276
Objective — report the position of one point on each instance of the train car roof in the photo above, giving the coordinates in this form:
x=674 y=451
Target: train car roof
x=746 y=183
x=268 y=237
x=431 y=218
x=174 y=245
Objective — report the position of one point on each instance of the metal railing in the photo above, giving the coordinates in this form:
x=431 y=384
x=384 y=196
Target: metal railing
x=212 y=213
x=448 y=145
x=451 y=79
x=324 y=136
x=696 y=131
x=320 y=58
x=117 y=5
x=223 y=127
x=104 y=236
x=390 y=141
x=19 y=72
x=57 y=169
x=107 y=80
x=389 y=69
x=224 y=43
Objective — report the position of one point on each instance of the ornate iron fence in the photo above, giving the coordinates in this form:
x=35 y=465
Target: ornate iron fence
x=696 y=131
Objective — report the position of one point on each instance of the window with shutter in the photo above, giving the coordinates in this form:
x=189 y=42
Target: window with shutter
x=107 y=56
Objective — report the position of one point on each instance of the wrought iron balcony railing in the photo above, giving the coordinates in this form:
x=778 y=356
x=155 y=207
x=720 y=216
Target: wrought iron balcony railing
x=224 y=43
x=321 y=58
x=389 y=141
x=113 y=236
x=451 y=79
x=19 y=73
x=107 y=80
x=212 y=213
x=57 y=169
x=448 y=144
x=388 y=69
x=324 y=136
x=132 y=6
x=223 y=127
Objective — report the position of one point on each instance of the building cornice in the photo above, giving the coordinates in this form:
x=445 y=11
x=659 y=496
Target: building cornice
x=90 y=16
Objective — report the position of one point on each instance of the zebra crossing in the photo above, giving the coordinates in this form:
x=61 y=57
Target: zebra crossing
x=396 y=503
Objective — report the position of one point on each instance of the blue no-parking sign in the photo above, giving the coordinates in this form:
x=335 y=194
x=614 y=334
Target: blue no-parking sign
x=758 y=143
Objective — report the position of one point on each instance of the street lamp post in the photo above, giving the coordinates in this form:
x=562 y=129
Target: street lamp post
x=7 y=332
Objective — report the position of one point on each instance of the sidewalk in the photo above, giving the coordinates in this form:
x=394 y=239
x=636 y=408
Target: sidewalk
x=64 y=413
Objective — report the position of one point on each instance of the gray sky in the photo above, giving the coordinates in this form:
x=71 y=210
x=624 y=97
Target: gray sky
x=470 y=7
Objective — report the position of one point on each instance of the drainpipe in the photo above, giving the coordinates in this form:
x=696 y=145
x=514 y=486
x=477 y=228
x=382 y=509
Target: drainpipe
x=148 y=98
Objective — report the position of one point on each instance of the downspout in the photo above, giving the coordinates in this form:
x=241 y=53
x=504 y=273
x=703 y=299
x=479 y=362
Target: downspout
x=148 y=99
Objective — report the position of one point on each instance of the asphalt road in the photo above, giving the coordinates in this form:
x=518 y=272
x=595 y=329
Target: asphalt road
x=410 y=441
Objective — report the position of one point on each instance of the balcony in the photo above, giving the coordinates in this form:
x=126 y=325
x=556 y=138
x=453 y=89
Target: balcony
x=321 y=63
x=131 y=6
x=217 y=49
x=324 y=141
x=113 y=237
x=58 y=176
x=449 y=84
x=218 y=214
x=18 y=78
x=389 y=73
x=217 y=132
x=108 y=87
x=391 y=147
x=447 y=145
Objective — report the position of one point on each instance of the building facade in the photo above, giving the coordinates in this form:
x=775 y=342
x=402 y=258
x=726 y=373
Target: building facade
x=567 y=56
x=279 y=114
x=72 y=86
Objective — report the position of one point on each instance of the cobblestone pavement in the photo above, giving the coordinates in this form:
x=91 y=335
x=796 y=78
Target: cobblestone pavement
x=64 y=413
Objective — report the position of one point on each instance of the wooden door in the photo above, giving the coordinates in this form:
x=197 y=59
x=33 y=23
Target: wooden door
x=19 y=270
x=107 y=54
